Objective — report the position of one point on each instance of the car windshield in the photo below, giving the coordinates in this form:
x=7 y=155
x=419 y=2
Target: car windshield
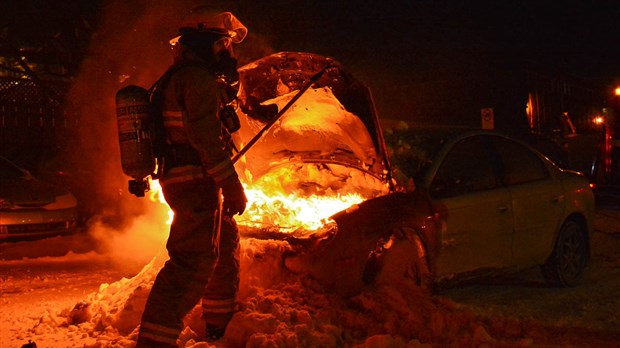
x=8 y=171
x=412 y=150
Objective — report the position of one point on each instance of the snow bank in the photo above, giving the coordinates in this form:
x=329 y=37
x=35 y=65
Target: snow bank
x=278 y=309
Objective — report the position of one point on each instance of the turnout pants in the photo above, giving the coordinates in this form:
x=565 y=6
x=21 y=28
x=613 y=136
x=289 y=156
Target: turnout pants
x=194 y=270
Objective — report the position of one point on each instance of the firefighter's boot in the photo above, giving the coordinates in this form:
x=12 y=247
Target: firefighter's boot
x=214 y=333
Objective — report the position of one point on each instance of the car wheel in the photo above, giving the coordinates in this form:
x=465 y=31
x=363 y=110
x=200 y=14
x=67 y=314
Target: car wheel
x=569 y=257
x=404 y=262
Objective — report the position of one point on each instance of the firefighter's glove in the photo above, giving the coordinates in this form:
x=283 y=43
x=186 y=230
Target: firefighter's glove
x=234 y=196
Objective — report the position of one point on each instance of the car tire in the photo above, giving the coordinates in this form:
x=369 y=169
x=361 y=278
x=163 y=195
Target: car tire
x=569 y=258
x=404 y=262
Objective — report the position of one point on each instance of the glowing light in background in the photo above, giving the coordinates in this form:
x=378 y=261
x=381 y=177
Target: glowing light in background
x=599 y=120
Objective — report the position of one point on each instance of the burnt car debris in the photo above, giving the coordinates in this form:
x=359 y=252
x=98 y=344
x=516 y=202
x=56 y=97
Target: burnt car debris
x=467 y=200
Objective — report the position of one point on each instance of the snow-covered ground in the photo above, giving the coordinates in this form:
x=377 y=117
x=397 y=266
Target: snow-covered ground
x=79 y=291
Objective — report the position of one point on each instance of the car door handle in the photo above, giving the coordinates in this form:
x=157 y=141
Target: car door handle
x=502 y=208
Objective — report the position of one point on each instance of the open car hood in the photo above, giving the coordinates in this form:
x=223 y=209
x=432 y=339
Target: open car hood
x=333 y=122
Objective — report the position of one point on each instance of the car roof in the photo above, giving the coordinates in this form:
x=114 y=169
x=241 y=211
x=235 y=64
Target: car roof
x=415 y=147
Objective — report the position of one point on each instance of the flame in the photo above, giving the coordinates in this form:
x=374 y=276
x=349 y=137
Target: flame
x=156 y=195
x=301 y=198
x=292 y=212
x=288 y=200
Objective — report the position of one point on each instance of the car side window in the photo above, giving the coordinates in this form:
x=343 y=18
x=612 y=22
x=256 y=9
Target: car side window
x=466 y=168
x=519 y=163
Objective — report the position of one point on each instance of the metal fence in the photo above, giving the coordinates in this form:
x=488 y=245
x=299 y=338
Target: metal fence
x=33 y=118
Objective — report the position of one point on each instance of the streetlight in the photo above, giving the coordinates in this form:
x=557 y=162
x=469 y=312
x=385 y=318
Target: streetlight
x=599 y=120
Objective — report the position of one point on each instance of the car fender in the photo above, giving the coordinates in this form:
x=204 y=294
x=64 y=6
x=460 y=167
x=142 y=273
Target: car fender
x=579 y=198
x=579 y=204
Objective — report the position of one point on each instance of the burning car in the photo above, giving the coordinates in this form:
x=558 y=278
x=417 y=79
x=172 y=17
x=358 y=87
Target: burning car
x=483 y=203
x=469 y=201
x=322 y=153
x=30 y=207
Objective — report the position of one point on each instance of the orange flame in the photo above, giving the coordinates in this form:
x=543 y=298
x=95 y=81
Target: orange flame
x=303 y=197
x=292 y=212
x=283 y=200
x=157 y=195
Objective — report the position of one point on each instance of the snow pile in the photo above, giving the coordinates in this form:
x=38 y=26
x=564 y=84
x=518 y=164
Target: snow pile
x=278 y=309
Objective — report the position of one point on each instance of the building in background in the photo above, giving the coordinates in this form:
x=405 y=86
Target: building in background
x=34 y=81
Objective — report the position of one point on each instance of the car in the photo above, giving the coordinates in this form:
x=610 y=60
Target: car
x=31 y=208
x=482 y=202
x=462 y=202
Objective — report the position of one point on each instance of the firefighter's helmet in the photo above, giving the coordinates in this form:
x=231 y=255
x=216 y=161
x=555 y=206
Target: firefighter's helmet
x=208 y=20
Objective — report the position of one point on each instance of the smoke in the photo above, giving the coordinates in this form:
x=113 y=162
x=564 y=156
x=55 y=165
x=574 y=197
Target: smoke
x=129 y=47
x=137 y=243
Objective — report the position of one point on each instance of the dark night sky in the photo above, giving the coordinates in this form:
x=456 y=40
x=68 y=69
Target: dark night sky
x=391 y=42
x=583 y=36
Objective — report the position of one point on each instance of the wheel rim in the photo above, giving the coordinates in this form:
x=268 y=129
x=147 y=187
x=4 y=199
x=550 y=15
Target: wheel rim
x=572 y=252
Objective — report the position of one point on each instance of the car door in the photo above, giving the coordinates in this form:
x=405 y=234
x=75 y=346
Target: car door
x=473 y=208
x=537 y=200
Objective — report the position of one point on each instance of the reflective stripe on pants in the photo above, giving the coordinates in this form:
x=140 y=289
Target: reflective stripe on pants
x=155 y=335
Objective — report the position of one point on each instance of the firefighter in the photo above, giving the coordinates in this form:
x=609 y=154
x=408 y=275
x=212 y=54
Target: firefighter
x=197 y=166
